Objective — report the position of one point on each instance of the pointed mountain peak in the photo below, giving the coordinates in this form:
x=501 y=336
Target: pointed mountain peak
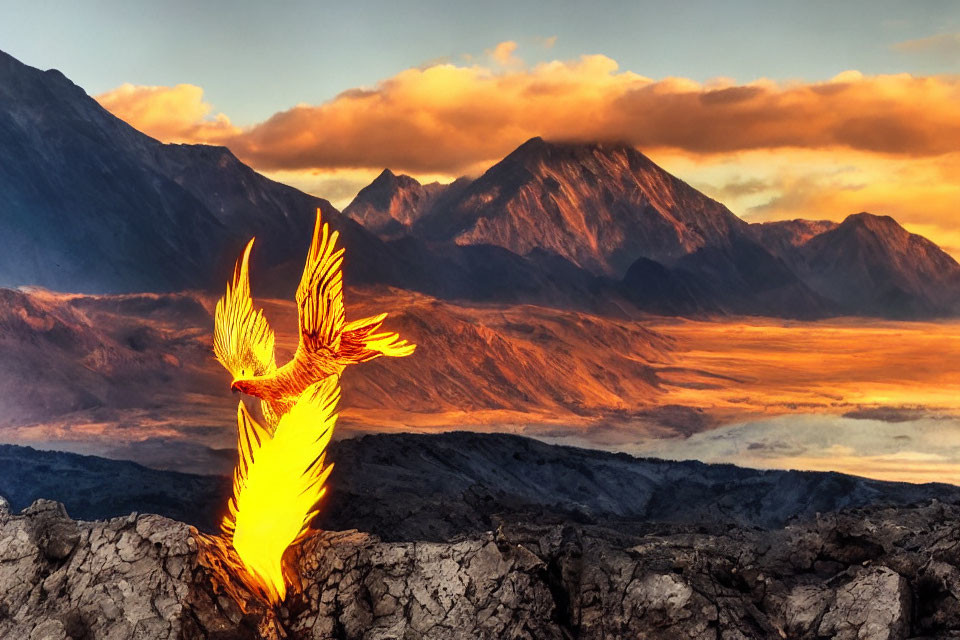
x=600 y=205
x=533 y=147
x=385 y=176
x=388 y=181
x=13 y=71
x=545 y=159
x=389 y=204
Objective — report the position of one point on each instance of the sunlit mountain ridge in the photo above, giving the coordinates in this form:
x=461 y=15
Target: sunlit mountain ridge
x=92 y=205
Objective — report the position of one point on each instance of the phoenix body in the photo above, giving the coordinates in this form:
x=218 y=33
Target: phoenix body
x=244 y=341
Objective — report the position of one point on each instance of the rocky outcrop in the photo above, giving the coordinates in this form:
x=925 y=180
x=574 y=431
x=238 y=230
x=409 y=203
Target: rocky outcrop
x=127 y=578
x=865 y=574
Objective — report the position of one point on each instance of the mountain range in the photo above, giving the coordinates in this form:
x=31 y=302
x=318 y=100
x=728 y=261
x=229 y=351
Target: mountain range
x=609 y=210
x=435 y=487
x=89 y=204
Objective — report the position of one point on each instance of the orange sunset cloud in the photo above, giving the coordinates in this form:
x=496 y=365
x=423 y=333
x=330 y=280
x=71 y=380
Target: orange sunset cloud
x=822 y=149
x=449 y=118
x=170 y=114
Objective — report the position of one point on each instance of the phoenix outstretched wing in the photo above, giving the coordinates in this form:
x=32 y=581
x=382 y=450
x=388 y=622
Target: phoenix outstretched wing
x=242 y=338
x=320 y=294
x=360 y=341
x=278 y=482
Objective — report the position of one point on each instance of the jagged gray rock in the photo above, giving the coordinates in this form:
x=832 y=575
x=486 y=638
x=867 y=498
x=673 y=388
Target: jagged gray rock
x=127 y=578
x=877 y=574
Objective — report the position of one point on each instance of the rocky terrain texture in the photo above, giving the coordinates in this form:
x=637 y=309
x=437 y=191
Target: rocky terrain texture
x=133 y=376
x=866 y=574
x=143 y=364
x=434 y=487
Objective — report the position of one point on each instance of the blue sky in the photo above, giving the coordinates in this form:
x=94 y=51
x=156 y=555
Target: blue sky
x=257 y=58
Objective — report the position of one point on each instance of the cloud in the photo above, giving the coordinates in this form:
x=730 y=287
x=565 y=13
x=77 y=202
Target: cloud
x=781 y=184
x=547 y=43
x=170 y=114
x=945 y=45
x=503 y=54
x=450 y=118
x=737 y=187
x=769 y=150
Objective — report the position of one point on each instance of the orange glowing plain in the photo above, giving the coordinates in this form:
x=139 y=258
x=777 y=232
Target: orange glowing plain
x=755 y=366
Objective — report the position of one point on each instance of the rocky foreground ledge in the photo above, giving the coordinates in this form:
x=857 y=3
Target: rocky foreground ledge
x=867 y=574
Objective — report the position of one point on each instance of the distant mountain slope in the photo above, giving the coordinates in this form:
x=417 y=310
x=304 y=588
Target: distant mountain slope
x=90 y=204
x=81 y=208
x=741 y=278
x=608 y=210
x=782 y=237
x=390 y=204
x=601 y=206
x=870 y=265
x=94 y=488
x=433 y=487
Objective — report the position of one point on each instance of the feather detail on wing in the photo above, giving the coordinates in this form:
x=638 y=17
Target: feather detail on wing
x=242 y=337
x=360 y=343
x=277 y=484
x=320 y=294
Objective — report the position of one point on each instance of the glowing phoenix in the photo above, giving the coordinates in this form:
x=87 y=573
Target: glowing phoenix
x=277 y=484
x=244 y=341
x=280 y=476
